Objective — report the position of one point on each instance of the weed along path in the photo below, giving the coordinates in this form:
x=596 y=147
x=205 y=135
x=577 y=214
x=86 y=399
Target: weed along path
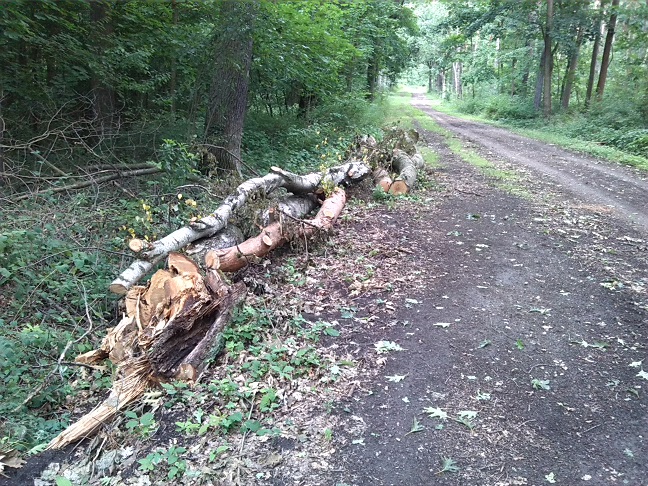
x=518 y=353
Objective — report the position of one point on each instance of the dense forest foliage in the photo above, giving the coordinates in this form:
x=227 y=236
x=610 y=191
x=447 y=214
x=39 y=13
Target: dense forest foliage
x=584 y=62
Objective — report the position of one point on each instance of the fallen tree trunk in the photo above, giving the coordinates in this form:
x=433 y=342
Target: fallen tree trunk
x=170 y=331
x=275 y=235
x=260 y=186
x=406 y=173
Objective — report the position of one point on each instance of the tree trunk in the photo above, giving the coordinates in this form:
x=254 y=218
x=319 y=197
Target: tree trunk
x=607 y=49
x=429 y=66
x=571 y=70
x=595 y=49
x=537 y=100
x=456 y=71
x=103 y=105
x=372 y=78
x=407 y=172
x=229 y=89
x=548 y=66
x=173 y=81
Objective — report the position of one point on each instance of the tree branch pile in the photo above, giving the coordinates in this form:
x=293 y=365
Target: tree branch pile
x=395 y=161
x=173 y=325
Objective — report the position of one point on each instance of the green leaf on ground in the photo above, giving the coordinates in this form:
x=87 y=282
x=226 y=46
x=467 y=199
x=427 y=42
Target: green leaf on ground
x=435 y=412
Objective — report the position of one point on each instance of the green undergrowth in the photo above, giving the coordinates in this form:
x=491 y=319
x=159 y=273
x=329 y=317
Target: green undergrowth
x=302 y=143
x=614 y=130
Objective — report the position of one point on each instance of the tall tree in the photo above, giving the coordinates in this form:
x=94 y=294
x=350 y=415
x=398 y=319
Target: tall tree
x=607 y=49
x=548 y=59
x=229 y=88
x=595 y=49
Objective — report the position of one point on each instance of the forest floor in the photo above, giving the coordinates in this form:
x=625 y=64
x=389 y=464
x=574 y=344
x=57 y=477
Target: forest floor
x=491 y=329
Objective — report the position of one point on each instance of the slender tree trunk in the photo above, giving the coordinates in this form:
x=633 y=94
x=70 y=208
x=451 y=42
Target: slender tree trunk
x=174 y=62
x=429 y=65
x=229 y=89
x=103 y=94
x=593 y=62
x=607 y=49
x=537 y=100
x=440 y=82
x=571 y=71
x=456 y=71
x=372 y=77
x=548 y=66
x=3 y=166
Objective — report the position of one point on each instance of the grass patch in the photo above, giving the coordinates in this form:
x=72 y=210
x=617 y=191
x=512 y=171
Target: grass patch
x=431 y=157
x=521 y=122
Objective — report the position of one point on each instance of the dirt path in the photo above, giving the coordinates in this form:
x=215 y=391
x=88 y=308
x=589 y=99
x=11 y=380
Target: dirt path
x=591 y=180
x=523 y=356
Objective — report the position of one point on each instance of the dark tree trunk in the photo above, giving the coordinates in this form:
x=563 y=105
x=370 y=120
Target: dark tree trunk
x=457 y=69
x=595 y=49
x=571 y=71
x=430 y=65
x=372 y=78
x=229 y=89
x=103 y=106
x=607 y=49
x=548 y=65
x=173 y=81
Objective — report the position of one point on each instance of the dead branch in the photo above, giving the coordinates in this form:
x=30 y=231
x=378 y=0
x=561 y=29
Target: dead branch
x=98 y=180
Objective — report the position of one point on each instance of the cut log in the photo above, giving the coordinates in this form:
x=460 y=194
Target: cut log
x=407 y=173
x=382 y=179
x=274 y=235
x=348 y=173
x=172 y=329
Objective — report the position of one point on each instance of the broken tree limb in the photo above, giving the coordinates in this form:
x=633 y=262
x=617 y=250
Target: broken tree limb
x=407 y=173
x=274 y=235
x=348 y=173
x=171 y=329
x=97 y=180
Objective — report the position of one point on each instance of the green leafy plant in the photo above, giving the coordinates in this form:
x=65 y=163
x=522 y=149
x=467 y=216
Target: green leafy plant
x=143 y=425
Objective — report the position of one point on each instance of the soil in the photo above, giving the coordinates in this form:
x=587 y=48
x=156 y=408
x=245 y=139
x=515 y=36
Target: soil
x=522 y=312
x=549 y=287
